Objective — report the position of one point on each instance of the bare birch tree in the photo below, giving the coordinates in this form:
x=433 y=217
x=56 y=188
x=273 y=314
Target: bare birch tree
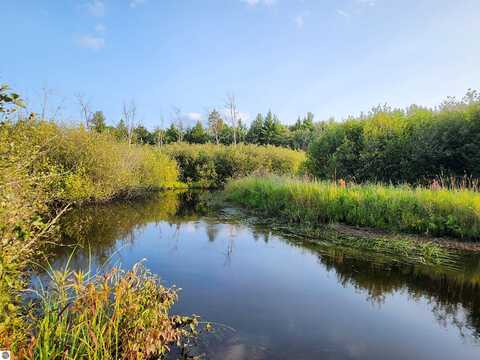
x=85 y=112
x=232 y=114
x=129 y=112
x=178 y=121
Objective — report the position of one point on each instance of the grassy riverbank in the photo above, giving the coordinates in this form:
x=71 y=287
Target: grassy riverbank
x=435 y=212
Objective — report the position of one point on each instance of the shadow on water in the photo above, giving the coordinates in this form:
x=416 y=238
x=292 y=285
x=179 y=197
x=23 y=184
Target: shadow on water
x=251 y=278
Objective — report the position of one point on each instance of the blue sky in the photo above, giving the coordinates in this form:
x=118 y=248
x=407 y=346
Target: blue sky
x=331 y=57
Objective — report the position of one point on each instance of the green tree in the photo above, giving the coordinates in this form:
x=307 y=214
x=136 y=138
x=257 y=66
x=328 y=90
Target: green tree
x=215 y=125
x=121 y=130
x=141 y=135
x=255 y=132
x=97 y=122
x=273 y=130
x=197 y=134
x=172 y=134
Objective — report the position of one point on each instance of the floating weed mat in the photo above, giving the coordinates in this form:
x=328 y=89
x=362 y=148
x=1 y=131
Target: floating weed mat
x=396 y=248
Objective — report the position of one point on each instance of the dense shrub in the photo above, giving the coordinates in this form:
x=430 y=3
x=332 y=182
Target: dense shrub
x=89 y=165
x=418 y=210
x=24 y=224
x=413 y=145
x=211 y=165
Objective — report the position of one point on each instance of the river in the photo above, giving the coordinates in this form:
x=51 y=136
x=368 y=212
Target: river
x=272 y=297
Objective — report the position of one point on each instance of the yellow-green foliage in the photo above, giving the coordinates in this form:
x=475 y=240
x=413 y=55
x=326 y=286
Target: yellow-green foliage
x=418 y=210
x=24 y=193
x=42 y=167
x=210 y=165
x=97 y=167
x=117 y=315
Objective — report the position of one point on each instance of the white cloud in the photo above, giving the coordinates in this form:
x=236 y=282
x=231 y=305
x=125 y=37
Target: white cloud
x=193 y=116
x=367 y=2
x=343 y=13
x=299 y=21
x=135 y=3
x=91 y=42
x=257 y=2
x=96 y=8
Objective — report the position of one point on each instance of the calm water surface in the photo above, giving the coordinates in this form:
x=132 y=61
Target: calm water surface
x=284 y=299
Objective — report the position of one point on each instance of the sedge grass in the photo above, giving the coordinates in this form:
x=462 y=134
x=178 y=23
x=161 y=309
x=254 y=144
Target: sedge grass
x=433 y=212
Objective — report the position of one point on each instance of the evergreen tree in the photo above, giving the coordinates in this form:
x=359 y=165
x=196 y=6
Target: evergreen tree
x=272 y=130
x=197 y=134
x=255 y=133
x=172 y=134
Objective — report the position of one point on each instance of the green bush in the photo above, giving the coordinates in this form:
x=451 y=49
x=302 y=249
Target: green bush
x=211 y=165
x=438 y=212
x=414 y=145
x=90 y=165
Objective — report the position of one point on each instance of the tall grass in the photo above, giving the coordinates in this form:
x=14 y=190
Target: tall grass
x=211 y=165
x=116 y=315
x=437 y=212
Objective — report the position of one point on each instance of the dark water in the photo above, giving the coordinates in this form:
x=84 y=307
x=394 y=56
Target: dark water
x=284 y=299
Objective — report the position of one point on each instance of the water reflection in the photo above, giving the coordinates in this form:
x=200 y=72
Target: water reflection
x=286 y=299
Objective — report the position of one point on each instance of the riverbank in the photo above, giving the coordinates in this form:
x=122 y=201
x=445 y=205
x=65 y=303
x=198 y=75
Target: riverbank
x=431 y=213
x=45 y=169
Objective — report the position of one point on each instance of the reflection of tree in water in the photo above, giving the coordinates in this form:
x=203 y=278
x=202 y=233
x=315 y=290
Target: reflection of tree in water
x=454 y=300
x=99 y=227
x=212 y=230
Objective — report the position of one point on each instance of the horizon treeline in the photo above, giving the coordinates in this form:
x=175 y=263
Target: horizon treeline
x=412 y=145
x=264 y=130
x=268 y=129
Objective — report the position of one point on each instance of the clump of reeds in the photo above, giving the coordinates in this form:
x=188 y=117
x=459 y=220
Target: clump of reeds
x=116 y=315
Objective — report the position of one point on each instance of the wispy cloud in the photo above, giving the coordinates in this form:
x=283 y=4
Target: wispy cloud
x=134 y=3
x=96 y=8
x=91 y=42
x=257 y=2
x=343 y=13
x=193 y=116
x=366 y=2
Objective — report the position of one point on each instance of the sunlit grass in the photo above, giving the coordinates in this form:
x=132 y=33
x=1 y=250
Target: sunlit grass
x=435 y=212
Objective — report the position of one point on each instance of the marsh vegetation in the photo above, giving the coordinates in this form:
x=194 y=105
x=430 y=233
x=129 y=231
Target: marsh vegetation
x=366 y=172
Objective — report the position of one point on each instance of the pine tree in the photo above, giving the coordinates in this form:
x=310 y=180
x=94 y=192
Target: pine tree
x=255 y=133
